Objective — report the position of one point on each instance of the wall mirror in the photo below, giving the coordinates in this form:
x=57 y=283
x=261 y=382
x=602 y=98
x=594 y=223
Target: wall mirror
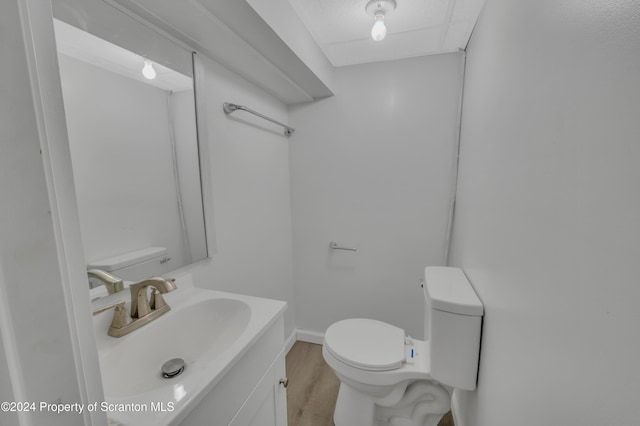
x=132 y=138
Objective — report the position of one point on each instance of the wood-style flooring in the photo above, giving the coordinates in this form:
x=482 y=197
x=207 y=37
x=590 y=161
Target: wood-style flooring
x=313 y=388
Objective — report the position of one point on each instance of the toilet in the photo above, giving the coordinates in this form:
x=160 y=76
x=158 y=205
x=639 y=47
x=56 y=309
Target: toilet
x=389 y=378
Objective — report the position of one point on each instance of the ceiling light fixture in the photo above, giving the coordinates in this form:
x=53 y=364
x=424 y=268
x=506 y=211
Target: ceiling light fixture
x=379 y=9
x=147 y=71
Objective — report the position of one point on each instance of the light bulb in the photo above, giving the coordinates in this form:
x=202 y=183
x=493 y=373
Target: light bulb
x=379 y=31
x=147 y=71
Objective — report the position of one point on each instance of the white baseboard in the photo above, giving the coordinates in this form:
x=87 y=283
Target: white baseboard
x=290 y=341
x=304 y=336
x=310 y=336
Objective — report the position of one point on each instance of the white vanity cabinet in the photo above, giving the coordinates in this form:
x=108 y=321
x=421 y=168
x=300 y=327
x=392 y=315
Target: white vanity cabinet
x=250 y=393
x=267 y=404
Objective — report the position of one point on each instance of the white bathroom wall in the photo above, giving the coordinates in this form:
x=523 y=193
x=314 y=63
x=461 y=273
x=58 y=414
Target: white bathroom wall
x=249 y=164
x=120 y=148
x=371 y=168
x=546 y=224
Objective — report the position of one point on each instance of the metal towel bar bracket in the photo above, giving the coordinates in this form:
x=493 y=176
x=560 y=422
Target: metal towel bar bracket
x=335 y=246
x=228 y=108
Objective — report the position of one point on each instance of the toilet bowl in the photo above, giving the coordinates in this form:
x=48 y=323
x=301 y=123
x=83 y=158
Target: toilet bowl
x=376 y=363
x=389 y=378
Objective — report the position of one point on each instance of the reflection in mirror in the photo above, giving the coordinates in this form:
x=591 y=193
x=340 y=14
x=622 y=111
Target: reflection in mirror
x=134 y=154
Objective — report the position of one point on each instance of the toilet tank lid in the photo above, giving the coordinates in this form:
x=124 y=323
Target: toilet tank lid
x=127 y=259
x=447 y=289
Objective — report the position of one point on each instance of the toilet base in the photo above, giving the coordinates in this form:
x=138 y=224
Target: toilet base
x=423 y=404
x=353 y=408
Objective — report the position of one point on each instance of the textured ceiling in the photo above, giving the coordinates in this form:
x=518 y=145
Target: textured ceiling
x=417 y=27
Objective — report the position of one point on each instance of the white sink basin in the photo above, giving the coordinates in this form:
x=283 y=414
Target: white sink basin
x=209 y=330
x=196 y=333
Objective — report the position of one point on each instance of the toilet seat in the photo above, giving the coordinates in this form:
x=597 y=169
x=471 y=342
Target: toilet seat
x=366 y=344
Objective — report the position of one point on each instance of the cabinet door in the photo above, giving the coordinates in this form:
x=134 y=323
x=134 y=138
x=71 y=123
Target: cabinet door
x=267 y=404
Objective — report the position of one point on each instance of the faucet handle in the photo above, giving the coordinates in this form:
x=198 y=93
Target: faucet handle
x=156 y=301
x=121 y=317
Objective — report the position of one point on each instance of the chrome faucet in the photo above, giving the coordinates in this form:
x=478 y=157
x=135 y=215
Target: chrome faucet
x=143 y=310
x=111 y=282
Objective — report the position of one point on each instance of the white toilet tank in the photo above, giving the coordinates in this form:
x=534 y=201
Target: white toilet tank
x=136 y=265
x=454 y=320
